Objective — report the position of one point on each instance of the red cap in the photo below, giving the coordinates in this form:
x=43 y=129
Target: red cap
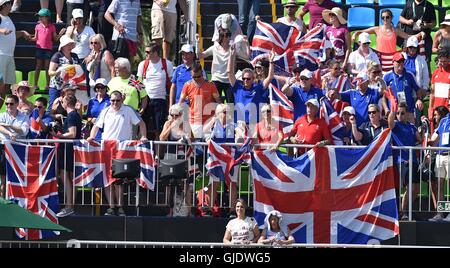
x=398 y=56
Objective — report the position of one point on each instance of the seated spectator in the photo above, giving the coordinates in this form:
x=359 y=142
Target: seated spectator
x=40 y=120
x=13 y=125
x=416 y=63
x=96 y=105
x=369 y=130
x=242 y=229
x=338 y=34
x=442 y=37
x=310 y=128
x=267 y=132
x=226 y=21
x=359 y=58
x=71 y=130
x=100 y=62
x=274 y=232
x=22 y=90
x=290 y=18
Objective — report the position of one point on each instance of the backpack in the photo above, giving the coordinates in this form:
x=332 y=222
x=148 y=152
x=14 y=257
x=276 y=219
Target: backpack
x=164 y=65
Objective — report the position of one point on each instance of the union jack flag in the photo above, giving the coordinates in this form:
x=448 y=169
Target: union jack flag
x=334 y=123
x=282 y=109
x=35 y=126
x=93 y=161
x=330 y=195
x=288 y=44
x=134 y=82
x=31 y=183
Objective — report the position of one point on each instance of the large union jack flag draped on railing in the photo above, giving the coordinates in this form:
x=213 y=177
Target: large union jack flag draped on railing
x=31 y=183
x=93 y=161
x=282 y=109
x=288 y=44
x=330 y=195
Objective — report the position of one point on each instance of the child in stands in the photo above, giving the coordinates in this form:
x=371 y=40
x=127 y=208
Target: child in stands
x=44 y=36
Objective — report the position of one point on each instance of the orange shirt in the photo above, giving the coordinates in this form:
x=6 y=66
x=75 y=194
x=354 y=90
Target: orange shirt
x=199 y=97
x=311 y=132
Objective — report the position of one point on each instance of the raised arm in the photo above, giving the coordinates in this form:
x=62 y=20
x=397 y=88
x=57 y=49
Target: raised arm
x=231 y=75
x=271 y=73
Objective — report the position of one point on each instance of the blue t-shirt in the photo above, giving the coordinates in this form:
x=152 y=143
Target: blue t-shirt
x=444 y=127
x=410 y=64
x=404 y=134
x=180 y=76
x=361 y=102
x=403 y=83
x=299 y=98
x=94 y=109
x=257 y=95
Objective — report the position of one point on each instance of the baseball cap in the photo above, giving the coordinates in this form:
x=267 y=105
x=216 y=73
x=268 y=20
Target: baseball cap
x=412 y=42
x=307 y=73
x=364 y=38
x=398 y=57
x=77 y=13
x=44 y=12
x=313 y=102
x=187 y=48
x=348 y=109
x=291 y=3
x=362 y=77
x=101 y=81
x=226 y=21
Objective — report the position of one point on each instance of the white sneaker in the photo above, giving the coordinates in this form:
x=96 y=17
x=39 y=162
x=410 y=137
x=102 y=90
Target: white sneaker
x=447 y=219
x=437 y=218
x=65 y=212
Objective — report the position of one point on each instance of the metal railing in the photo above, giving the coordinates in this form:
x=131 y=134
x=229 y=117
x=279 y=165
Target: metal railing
x=136 y=197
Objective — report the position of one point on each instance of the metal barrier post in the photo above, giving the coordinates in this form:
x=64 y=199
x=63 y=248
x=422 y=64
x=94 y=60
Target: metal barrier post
x=410 y=163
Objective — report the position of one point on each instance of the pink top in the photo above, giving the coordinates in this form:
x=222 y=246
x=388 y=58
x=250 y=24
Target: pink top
x=337 y=38
x=386 y=42
x=44 y=35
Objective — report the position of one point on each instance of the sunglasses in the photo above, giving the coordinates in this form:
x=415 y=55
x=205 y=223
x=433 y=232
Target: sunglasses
x=174 y=115
x=9 y=103
x=288 y=7
x=401 y=113
x=376 y=72
x=39 y=107
x=304 y=78
x=148 y=52
x=267 y=111
x=114 y=100
x=100 y=87
x=367 y=43
x=385 y=17
x=196 y=76
x=94 y=43
x=372 y=112
x=332 y=15
x=246 y=78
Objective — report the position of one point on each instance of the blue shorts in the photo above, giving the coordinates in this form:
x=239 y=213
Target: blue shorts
x=43 y=54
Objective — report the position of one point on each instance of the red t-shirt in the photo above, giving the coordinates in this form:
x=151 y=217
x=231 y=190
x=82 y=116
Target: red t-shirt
x=199 y=98
x=441 y=81
x=311 y=132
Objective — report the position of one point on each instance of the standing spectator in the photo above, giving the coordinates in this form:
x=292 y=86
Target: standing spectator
x=59 y=4
x=77 y=4
x=97 y=104
x=226 y=21
x=338 y=34
x=202 y=96
x=336 y=79
x=164 y=24
x=315 y=9
x=221 y=55
x=136 y=98
x=125 y=16
x=182 y=73
x=310 y=128
x=248 y=10
x=117 y=123
x=242 y=229
x=369 y=130
x=290 y=19
x=359 y=58
x=8 y=36
x=442 y=37
x=100 y=61
x=346 y=113
x=299 y=94
x=100 y=24
x=274 y=233
x=13 y=125
x=44 y=36
x=61 y=59
x=22 y=91
x=249 y=96
x=416 y=64
x=267 y=132
x=440 y=82
x=418 y=16
x=71 y=130
x=404 y=86
x=405 y=134
x=40 y=120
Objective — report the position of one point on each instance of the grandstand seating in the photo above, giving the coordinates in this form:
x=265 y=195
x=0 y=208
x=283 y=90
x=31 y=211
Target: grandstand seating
x=42 y=82
x=19 y=76
x=361 y=17
x=359 y=2
x=391 y=3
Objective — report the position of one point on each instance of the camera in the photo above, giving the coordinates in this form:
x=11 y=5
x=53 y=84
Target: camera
x=55 y=127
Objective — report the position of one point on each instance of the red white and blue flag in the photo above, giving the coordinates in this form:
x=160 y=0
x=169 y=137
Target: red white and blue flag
x=333 y=121
x=289 y=45
x=330 y=195
x=93 y=161
x=282 y=109
x=31 y=183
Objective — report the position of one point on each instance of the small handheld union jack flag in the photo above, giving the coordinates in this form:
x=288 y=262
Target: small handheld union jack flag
x=134 y=82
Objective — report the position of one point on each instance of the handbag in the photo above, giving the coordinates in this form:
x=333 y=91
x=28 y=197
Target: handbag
x=119 y=47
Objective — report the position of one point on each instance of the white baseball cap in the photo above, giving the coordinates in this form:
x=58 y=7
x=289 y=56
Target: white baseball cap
x=412 y=42
x=362 y=76
x=313 y=102
x=77 y=13
x=364 y=38
x=306 y=73
x=348 y=109
x=101 y=81
x=188 y=48
x=226 y=21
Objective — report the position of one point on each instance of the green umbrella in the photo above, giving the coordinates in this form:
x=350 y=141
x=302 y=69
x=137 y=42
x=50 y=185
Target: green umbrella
x=12 y=215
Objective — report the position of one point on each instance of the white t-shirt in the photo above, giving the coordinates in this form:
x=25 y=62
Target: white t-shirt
x=360 y=62
x=117 y=125
x=82 y=48
x=241 y=230
x=171 y=6
x=155 y=78
x=7 y=42
x=297 y=23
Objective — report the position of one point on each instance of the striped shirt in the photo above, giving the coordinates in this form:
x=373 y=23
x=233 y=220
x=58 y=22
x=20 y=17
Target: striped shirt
x=126 y=13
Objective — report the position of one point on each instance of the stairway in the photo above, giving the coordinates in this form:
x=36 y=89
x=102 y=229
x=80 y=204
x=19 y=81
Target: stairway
x=210 y=9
